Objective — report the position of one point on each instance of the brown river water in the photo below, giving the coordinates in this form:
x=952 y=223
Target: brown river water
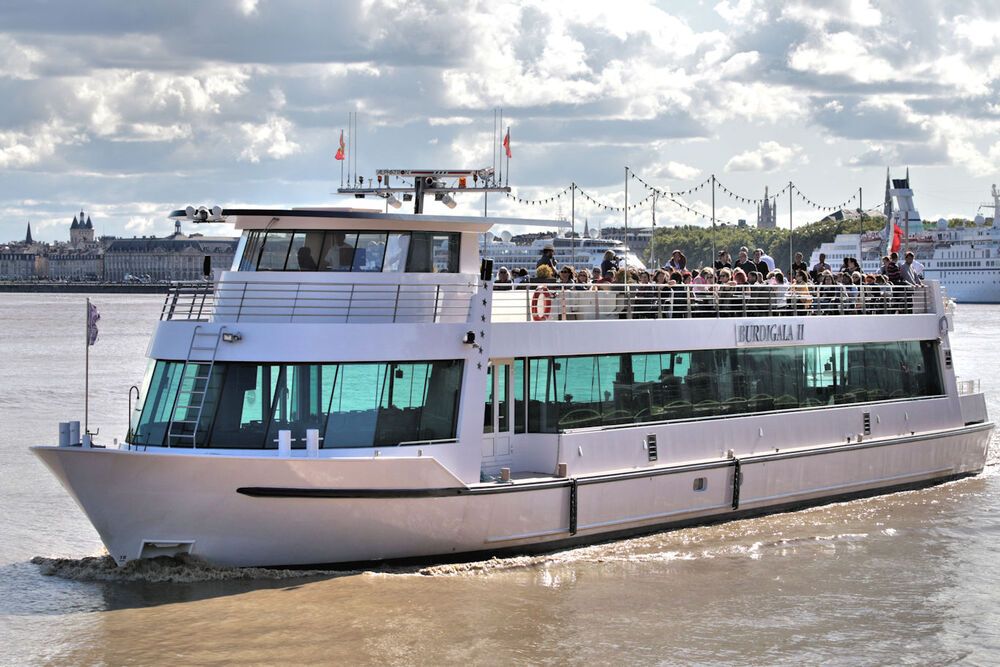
x=908 y=578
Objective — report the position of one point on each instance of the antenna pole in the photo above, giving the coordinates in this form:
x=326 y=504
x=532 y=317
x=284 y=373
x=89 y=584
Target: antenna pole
x=626 y=229
x=861 y=227
x=572 y=223
x=711 y=260
x=790 y=232
x=498 y=148
x=86 y=374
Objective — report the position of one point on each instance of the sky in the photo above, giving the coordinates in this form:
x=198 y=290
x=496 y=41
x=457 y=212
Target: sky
x=129 y=110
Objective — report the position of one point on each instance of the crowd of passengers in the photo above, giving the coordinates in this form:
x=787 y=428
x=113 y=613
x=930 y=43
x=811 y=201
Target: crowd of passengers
x=750 y=284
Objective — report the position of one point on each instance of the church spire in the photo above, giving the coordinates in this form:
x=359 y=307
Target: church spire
x=27 y=238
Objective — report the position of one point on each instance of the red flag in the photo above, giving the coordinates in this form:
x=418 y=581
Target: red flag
x=340 y=151
x=897 y=237
x=506 y=143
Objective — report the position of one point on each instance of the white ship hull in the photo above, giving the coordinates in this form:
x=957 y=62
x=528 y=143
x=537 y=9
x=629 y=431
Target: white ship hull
x=246 y=511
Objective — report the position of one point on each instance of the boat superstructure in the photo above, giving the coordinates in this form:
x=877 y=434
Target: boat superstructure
x=354 y=389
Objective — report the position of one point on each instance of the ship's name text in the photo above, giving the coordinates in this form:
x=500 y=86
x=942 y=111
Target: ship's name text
x=763 y=334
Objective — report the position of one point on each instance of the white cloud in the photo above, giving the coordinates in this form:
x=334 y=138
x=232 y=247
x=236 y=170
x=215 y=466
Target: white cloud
x=248 y=7
x=842 y=53
x=981 y=34
x=268 y=138
x=817 y=14
x=140 y=226
x=769 y=156
x=22 y=149
x=17 y=61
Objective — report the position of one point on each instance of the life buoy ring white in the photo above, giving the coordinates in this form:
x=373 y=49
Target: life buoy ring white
x=541 y=294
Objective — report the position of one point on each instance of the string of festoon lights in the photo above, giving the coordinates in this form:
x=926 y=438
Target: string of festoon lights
x=673 y=195
x=582 y=193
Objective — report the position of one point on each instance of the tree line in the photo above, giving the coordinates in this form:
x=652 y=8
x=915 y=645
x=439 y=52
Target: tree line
x=697 y=242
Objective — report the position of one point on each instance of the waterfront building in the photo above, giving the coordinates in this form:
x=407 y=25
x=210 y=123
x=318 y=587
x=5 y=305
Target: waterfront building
x=176 y=257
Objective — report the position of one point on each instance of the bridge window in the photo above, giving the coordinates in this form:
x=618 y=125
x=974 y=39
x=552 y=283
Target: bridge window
x=337 y=250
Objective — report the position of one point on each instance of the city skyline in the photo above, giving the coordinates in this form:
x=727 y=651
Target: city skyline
x=129 y=112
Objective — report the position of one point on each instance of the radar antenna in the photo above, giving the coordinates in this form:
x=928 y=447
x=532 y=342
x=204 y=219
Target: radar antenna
x=442 y=183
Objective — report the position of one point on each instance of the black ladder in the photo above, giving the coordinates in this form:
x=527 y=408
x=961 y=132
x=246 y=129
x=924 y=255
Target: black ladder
x=193 y=387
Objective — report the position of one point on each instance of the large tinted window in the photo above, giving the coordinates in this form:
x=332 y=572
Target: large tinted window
x=352 y=405
x=578 y=392
x=336 y=250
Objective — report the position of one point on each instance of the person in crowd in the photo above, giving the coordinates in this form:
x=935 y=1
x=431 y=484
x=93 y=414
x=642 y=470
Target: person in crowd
x=800 y=294
x=610 y=261
x=706 y=301
x=744 y=263
x=566 y=276
x=850 y=293
x=520 y=276
x=645 y=297
x=677 y=261
x=723 y=261
x=767 y=259
x=504 y=280
x=548 y=257
x=829 y=294
x=759 y=263
x=908 y=272
x=820 y=266
x=798 y=265
x=780 y=291
x=583 y=280
x=892 y=271
x=544 y=274
x=607 y=279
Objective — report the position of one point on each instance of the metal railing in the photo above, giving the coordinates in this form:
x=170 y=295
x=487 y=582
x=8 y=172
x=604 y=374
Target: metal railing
x=262 y=301
x=551 y=301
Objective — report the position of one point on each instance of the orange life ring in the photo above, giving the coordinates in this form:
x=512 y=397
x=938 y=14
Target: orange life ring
x=540 y=315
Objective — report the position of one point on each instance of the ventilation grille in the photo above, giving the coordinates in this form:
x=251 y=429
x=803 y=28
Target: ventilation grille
x=867 y=420
x=947 y=358
x=651 y=446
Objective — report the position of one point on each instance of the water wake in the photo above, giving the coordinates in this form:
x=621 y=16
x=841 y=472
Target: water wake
x=165 y=569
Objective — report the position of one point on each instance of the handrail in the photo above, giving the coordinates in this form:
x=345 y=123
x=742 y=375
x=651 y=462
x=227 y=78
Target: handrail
x=519 y=303
x=272 y=301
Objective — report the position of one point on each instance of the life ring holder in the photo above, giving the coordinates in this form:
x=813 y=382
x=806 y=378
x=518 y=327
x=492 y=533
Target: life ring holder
x=541 y=293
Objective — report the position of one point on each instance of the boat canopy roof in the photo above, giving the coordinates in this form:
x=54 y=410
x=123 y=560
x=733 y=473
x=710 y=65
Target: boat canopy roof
x=352 y=218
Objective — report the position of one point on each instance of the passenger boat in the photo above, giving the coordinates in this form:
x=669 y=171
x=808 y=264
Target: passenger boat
x=353 y=389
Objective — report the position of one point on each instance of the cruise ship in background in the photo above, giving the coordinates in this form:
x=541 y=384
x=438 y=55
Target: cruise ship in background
x=965 y=259
x=581 y=253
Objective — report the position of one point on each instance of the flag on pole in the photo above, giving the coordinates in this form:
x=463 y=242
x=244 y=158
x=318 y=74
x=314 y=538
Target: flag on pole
x=506 y=143
x=340 y=151
x=92 y=317
x=897 y=237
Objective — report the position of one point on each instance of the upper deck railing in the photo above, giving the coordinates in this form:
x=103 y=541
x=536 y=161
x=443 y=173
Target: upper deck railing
x=553 y=301
x=273 y=301
x=264 y=301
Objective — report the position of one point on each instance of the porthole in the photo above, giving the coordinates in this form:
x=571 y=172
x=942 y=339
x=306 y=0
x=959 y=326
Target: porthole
x=700 y=483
